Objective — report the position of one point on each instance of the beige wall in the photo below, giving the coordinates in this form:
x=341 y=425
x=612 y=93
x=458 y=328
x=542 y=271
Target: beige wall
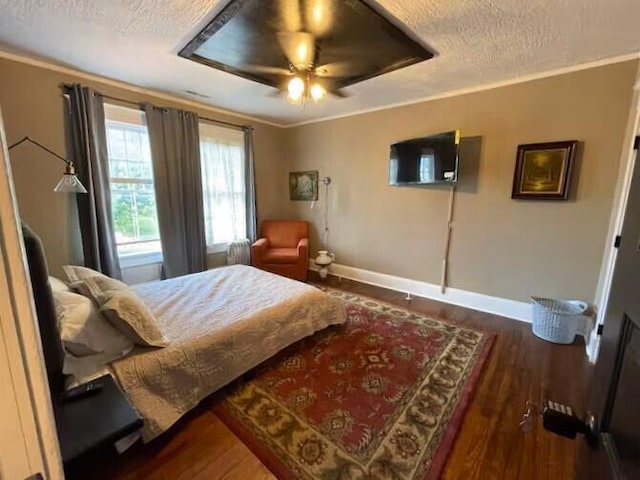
x=32 y=105
x=501 y=247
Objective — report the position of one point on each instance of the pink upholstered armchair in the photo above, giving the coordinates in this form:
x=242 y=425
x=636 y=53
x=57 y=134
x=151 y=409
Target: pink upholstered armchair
x=283 y=248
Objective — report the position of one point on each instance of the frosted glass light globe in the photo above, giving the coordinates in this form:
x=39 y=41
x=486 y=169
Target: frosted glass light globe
x=296 y=87
x=317 y=92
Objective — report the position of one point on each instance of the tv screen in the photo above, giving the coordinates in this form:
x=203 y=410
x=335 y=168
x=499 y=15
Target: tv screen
x=427 y=160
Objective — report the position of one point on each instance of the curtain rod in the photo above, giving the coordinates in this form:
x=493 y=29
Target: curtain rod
x=66 y=86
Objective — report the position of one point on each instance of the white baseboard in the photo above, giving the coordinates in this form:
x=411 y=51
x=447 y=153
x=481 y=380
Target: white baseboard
x=478 y=301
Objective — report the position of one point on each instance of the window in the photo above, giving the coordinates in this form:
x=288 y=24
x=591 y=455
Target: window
x=427 y=167
x=223 y=185
x=133 y=201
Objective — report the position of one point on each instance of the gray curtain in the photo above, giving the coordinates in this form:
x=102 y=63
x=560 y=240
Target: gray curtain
x=175 y=150
x=250 y=178
x=87 y=135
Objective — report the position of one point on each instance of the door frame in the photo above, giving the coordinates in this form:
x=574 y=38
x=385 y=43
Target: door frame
x=28 y=437
x=618 y=209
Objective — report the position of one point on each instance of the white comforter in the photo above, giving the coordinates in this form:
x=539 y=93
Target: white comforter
x=220 y=323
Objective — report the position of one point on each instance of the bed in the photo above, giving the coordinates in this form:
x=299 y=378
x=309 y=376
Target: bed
x=220 y=324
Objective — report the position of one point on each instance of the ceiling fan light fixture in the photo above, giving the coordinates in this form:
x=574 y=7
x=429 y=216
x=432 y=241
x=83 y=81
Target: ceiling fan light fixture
x=317 y=92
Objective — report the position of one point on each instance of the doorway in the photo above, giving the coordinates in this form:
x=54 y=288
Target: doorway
x=629 y=159
x=615 y=386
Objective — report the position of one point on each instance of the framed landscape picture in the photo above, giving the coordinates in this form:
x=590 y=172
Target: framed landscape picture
x=543 y=170
x=303 y=186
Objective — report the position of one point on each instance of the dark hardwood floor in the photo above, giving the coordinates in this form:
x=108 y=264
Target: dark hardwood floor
x=490 y=444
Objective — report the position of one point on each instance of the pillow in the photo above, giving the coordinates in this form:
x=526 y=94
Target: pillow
x=75 y=273
x=58 y=285
x=103 y=282
x=124 y=309
x=84 y=331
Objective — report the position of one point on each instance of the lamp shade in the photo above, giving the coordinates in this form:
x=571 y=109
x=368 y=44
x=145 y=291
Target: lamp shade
x=69 y=182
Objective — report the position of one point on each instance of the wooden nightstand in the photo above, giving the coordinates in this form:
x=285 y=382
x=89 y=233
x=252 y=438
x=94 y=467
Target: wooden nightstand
x=89 y=423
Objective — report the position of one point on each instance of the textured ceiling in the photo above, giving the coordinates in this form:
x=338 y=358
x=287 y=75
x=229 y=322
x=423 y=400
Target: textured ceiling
x=477 y=42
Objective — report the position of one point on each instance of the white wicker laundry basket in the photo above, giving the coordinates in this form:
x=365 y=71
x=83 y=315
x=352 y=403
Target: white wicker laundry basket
x=557 y=321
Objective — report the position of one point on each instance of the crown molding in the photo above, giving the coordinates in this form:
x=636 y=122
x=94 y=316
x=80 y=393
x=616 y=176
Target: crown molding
x=129 y=87
x=480 y=88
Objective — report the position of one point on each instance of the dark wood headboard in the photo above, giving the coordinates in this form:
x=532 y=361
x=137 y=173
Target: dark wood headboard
x=45 y=310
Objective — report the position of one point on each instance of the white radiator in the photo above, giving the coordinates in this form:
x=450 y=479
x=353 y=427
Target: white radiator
x=239 y=252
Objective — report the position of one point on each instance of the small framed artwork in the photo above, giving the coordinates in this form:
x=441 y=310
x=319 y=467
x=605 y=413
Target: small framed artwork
x=543 y=170
x=303 y=186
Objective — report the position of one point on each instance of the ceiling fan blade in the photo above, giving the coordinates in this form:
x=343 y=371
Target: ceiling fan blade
x=299 y=48
x=282 y=93
x=337 y=69
x=340 y=93
x=277 y=93
x=332 y=87
x=268 y=70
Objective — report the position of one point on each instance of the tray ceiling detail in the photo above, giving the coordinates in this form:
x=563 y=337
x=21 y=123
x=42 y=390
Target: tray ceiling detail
x=342 y=42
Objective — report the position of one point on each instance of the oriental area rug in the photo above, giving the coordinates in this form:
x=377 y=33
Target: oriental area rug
x=380 y=397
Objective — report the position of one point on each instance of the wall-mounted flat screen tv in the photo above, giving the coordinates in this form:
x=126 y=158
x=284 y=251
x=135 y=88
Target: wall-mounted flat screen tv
x=424 y=161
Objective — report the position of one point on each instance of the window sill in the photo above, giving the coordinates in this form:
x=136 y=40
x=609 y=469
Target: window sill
x=217 y=248
x=140 y=259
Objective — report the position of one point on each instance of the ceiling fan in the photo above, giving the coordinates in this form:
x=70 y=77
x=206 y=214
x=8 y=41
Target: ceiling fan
x=306 y=79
